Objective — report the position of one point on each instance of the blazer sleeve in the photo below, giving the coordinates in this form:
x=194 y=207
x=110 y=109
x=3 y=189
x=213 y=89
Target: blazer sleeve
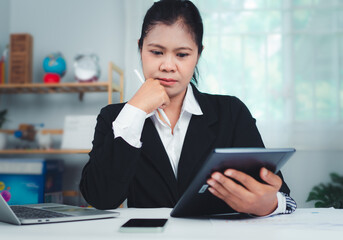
x=112 y=164
x=247 y=134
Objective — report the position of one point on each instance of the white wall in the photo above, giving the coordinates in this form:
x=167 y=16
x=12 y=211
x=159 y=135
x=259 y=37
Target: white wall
x=309 y=168
x=318 y=153
x=71 y=27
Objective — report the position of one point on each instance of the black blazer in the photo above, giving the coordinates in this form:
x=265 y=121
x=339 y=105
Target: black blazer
x=116 y=170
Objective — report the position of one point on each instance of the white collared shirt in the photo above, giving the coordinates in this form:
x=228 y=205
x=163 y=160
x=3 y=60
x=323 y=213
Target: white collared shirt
x=173 y=140
x=130 y=121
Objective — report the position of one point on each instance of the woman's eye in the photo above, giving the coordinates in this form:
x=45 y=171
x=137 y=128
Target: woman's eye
x=156 y=52
x=182 y=55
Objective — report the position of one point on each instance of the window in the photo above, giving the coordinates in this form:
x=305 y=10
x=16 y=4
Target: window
x=284 y=59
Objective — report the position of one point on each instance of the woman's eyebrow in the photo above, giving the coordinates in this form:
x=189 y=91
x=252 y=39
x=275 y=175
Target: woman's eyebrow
x=156 y=45
x=184 y=48
x=162 y=47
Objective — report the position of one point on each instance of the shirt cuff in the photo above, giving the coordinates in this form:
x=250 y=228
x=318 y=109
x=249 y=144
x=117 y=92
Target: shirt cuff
x=129 y=125
x=281 y=205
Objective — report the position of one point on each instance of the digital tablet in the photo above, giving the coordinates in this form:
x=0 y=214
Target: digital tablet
x=198 y=201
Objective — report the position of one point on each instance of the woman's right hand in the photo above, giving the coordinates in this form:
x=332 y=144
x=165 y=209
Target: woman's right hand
x=150 y=96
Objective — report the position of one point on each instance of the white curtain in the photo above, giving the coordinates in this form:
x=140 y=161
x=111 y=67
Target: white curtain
x=284 y=59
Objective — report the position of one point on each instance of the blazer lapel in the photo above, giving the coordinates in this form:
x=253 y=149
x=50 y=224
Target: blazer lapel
x=198 y=142
x=154 y=150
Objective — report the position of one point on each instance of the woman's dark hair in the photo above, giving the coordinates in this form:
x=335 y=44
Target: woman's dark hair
x=170 y=11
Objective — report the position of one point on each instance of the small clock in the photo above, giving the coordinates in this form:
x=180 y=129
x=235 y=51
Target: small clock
x=86 y=67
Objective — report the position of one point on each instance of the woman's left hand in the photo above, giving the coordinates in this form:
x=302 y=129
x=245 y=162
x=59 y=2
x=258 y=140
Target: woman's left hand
x=254 y=198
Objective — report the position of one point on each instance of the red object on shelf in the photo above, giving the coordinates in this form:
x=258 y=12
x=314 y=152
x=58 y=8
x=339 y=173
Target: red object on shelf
x=51 y=78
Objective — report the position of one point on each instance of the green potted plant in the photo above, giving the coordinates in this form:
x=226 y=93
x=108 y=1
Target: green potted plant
x=2 y=134
x=328 y=195
x=3 y=117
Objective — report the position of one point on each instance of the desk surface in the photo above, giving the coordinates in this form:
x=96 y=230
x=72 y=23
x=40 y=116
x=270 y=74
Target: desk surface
x=307 y=223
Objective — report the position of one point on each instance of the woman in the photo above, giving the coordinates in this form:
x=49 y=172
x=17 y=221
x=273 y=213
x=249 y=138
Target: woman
x=149 y=159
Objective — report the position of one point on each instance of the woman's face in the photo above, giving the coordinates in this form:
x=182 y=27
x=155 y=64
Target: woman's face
x=169 y=55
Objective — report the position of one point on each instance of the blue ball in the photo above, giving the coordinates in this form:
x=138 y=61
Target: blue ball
x=55 y=63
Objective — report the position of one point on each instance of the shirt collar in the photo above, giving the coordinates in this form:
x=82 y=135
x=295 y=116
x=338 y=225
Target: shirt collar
x=190 y=104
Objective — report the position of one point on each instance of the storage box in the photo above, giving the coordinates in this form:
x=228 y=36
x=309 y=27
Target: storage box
x=31 y=181
x=20 y=62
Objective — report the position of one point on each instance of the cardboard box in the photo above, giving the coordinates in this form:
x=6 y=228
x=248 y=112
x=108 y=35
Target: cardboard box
x=20 y=58
x=31 y=181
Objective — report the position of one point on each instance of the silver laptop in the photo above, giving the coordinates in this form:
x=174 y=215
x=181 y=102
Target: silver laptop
x=48 y=213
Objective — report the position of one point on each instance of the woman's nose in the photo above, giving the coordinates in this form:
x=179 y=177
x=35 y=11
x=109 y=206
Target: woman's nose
x=168 y=64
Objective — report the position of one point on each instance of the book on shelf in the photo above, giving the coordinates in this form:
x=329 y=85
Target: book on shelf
x=31 y=181
x=20 y=58
x=3 y=66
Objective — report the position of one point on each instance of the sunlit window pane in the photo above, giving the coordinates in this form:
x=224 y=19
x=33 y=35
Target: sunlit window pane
x=274 y=3
x=340 y=20
x=301 y=3
x=284 y=59
x=313 y=20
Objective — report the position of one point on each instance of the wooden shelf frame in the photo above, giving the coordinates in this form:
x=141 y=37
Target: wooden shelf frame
x=113 y=87
x=71 y=87
x=43 y=151
x=44 y=131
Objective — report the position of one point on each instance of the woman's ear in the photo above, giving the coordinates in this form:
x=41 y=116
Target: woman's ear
x=140 y=49
x=200 y=53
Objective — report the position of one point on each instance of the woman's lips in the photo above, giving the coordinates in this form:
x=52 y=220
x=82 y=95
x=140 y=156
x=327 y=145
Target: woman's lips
x=167 y=81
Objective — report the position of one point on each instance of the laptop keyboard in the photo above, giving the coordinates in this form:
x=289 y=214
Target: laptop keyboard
x=34 y=213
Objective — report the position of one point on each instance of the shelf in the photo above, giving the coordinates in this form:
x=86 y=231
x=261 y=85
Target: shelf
x=41 y=88
x=43 y=131
x=71 y=87
x=45 y=88
x=41 y=151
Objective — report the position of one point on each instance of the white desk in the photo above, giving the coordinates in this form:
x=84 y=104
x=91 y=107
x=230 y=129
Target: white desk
x=321 y=224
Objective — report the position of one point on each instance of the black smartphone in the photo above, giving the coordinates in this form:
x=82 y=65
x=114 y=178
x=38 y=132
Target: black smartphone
x=144 y=225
